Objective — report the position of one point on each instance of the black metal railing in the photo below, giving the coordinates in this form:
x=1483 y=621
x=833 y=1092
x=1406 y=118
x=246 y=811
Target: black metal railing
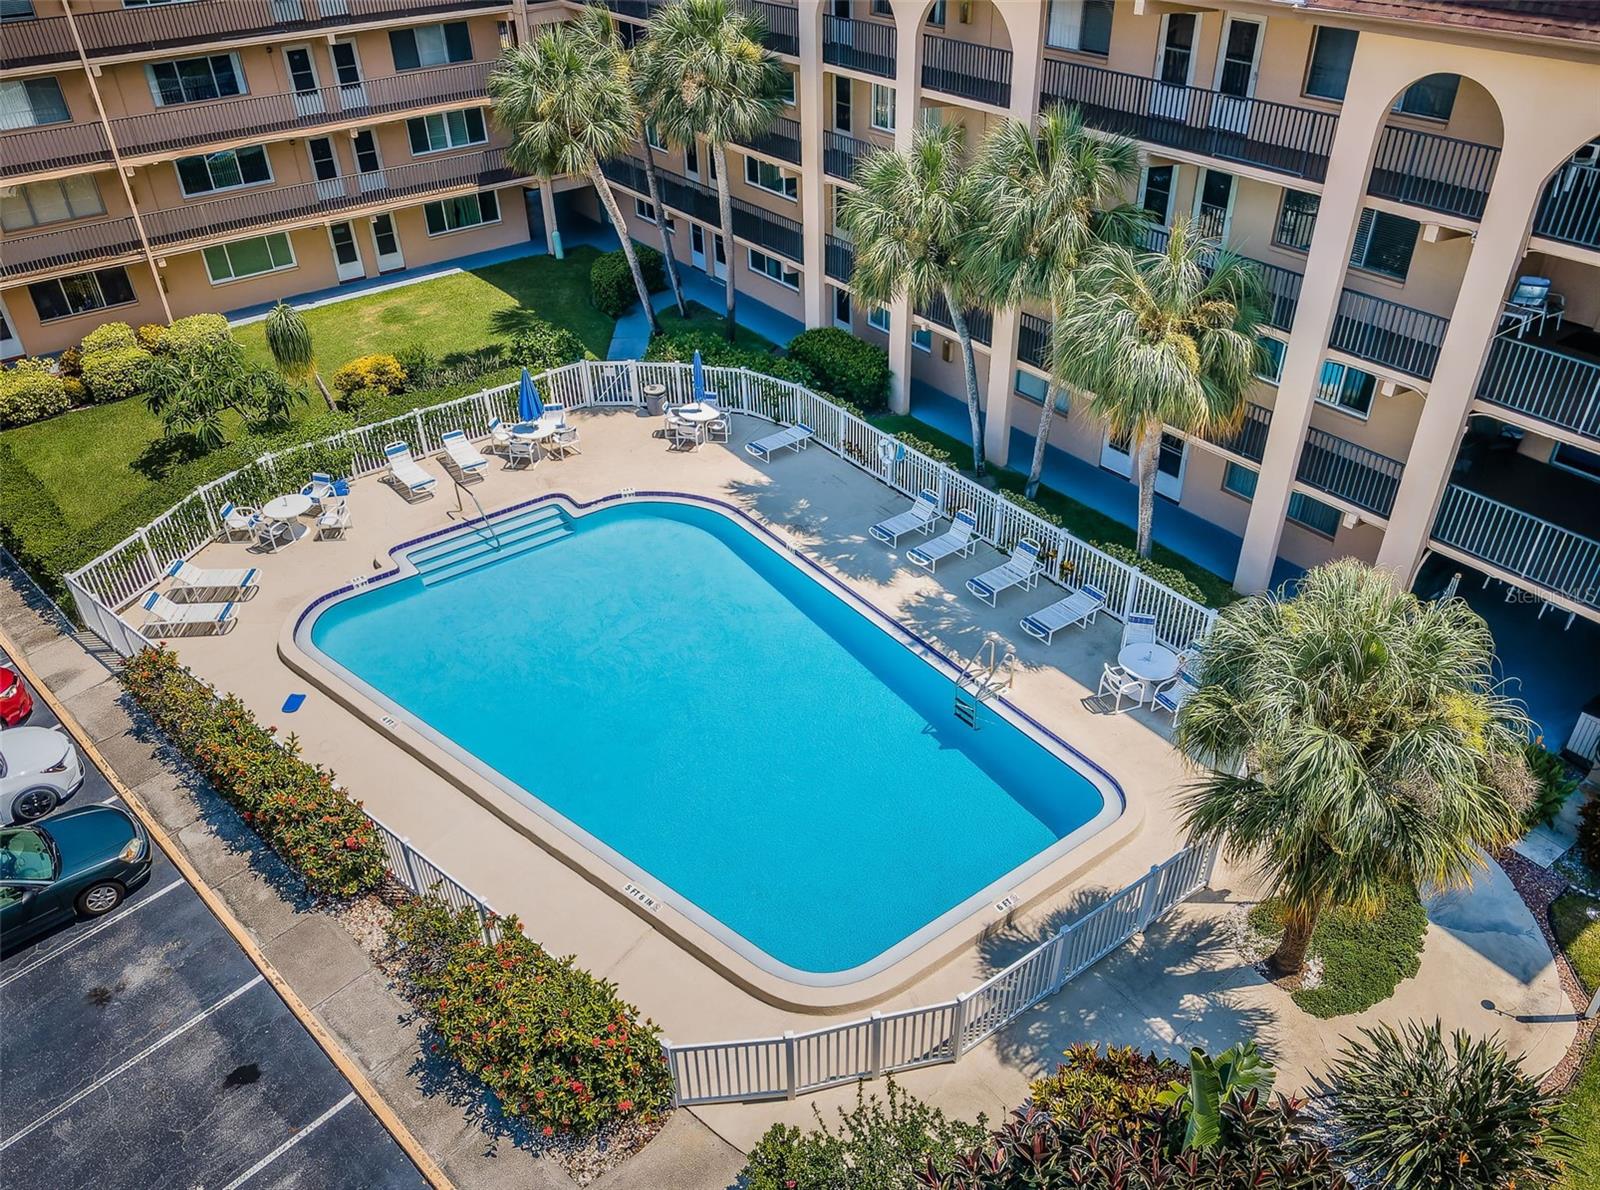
x=838 y=258
x=636 y=10
x=1440 y=173
x=1249 y=441
x=782 y=140
x=1274 y=136
x=783 y=26
x=1388 y=333
x=1033 y=340
x=842 y=153
x=83 y=243
x=51 y=146
x=867 y=46
x=980 y=323
x=1352 y=473
x=1543 y=383
x=978 y=72
x=1570 y=208
x=1281 y=286
x=752 y=223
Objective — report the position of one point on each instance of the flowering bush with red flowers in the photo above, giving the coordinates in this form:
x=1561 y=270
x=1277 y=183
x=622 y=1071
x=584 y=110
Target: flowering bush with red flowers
x=555 y=1044
x=290 y=803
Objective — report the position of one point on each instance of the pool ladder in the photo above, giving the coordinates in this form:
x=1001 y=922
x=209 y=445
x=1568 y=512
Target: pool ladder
x=988 y=673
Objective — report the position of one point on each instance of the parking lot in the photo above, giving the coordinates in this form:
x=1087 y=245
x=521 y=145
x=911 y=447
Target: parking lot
x=146 y=1049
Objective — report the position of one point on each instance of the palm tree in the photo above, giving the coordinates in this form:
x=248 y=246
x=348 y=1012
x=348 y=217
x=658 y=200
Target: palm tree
x=289 y=340
x=710 y=76
x=1354 y=739
x=912 y=220
x=1162 y=338
x=1043 y=192
x=646 y=105
x=566 y=101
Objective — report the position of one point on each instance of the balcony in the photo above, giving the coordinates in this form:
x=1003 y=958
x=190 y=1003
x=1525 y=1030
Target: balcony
x=1387 y=333
x=1281 y=286
x=1328 y=463
x=1570 y=209
x=977 y=72
x=1440 y=173
x=1278 y=137
x=1557 y=387
x=842 y=153
x=867 y=46
x=783 y=26
x=86 y=243
x=980 y=323
x=50 y=147
x=782 y=140
x=839 y=258
x=192 y=125
x=751 y=223
x=1033 y=341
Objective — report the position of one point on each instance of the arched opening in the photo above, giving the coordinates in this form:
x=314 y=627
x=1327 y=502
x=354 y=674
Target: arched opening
x=1440 y=146
x=966 y=51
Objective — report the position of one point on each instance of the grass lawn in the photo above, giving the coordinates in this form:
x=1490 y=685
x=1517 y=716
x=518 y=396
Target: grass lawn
x=1363 y=957
x=703 y=319
x=1576 y=921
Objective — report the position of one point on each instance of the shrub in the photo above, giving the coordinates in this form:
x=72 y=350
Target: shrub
x=196 y=331
x=844 y=365
x=416 y=361
x=30 y=391
x=1408 y=1110
x=1553 y=784
x=70 y=362
x=115 y=373
x=152 y=336
x=293 y=805
x=542 y=345
x=715 y=351
x=108 y=336
x=379 y=371
x=1589 y=832
x=876 y=1145
x=1106 y=1088
x=611 y=286
x=552 y=1042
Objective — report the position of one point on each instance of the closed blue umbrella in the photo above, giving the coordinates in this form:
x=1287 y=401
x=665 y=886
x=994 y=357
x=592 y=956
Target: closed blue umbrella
x=699 y=378
x=529 y=407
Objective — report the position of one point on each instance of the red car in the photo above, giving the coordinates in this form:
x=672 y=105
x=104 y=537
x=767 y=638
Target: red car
x=16 y=704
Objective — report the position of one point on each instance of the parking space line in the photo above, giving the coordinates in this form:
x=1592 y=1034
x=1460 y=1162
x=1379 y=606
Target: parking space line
x=90 y=931
x=291 y=1142
x=173 y=1035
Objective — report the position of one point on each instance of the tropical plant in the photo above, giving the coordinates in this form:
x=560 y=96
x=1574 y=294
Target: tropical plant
x=1162 y=339
x=1409 y=1110
x=710 y=77
x=1589 y=832
x=1354 y=739
x=1047 y=196
x=565 y=99
x=1232 y=1074
x=190 y=392
x=913 y=219
x=1106 y=1088
x=1554 y=782
x=289 y=340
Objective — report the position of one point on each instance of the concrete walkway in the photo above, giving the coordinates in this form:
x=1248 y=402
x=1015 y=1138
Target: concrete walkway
x=632 y=337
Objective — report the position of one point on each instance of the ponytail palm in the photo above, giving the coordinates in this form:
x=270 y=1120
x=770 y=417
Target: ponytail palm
x=1162 y=338
x=1355 y=740
x=566 y=101
x=1048 y=196
x=912 y=221
x=709 y=76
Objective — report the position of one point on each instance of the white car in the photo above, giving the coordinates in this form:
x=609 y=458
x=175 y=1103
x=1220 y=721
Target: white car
x=39 y=769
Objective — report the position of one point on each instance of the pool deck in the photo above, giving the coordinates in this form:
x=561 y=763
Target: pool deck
x=1485 y=968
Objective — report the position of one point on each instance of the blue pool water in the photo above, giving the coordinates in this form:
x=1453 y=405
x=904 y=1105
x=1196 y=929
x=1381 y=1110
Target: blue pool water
x=745 y=740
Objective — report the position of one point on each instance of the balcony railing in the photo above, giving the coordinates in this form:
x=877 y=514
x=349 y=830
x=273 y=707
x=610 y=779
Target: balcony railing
x=1440 y=173
x=980 y=323
x=755 y=224
x=638 y=10
x=1388 y=333
x=1570 y=209
x=51 y=146
x=1033 y=341
x=1328 y=462
x=964 y=68
x=1550 y=385
x=1250 y=439
x=839 y=258
x=83 y=243
x=1281 y=285
x=783 y=26
x=782 y=140
x=842 y=153
x=1521 y=544
x=192 y=125
x=867 y=46
x=1273 y=136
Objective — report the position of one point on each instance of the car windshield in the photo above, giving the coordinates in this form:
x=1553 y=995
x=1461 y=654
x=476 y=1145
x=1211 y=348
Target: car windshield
x=26 y=854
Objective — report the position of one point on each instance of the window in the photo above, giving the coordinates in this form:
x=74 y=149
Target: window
x=653 y=138
x=841 y=307
x=644 y=210
x=1269 y=361
x=769 y=177
x=455 y=214
x=1239 y=480
x=878 y=319
x=1213 y=204
x=1033 y=388
x=1297 y=217
x=248 y=258
x=226 y=170
x=786 y=88
x=430 y=45
x=55 y=201
x=1332 y=51
x=922 y=338
x=841 y=103
x=446 y=130
x=776 y=269
x=1313 y=514
x=1346 y=388
x=26 y=855
x=16 y=10
x=1158 y=183
x=1433 y=97
x=1384 y=243
x=63 y=297
x=936 y=14
x=882 y=8
x=27 y=102
x=882 y=108
x=194 y=80
x=1083 y=25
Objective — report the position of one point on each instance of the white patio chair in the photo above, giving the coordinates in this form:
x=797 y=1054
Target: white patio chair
x=268 y=532
x=1531 y=301
x=1139 y=630
x=1078 y=609
x=683 y=434
x=406 y=474
x=320 y=487
x=921 y=517
x=167 y=618
x=521 y=452
x=958 y=539
x=1116 y=684
x=1172 y=694
x=238 y=521
x=186 y=576
x=1021 y=569
x=564 y=442
x=720 y=430
x=499 y=436
x=333 y=522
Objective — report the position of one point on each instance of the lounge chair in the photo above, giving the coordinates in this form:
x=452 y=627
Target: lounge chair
x=1117 y=683
x=1078 y=609
x=957 y=539
x=238 y=521
x=407 y=474
x=795 y=438
x=1021 y=569
x=920 y=517
x=189 y=577
x=320 y=487
x=1139 y=630
x=335 y=519
x=1170 y=696
x=465 y=457
x=165 y=615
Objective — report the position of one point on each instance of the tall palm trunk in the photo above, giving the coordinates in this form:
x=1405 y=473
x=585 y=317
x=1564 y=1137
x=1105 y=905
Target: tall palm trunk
x=603 y=188
x=1147 y=453
x=725 y=210
x=970 y=368
x=661 y=220
x=1041 y=438
x=323 y=389
x=1298 y=924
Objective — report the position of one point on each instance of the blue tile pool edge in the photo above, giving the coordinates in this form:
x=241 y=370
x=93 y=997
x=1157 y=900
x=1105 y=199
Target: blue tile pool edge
x=1113 y=800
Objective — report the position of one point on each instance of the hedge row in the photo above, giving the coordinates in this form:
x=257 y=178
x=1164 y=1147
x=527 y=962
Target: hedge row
x=848 y=367
x=293 y=805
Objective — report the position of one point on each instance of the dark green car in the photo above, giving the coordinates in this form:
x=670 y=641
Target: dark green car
x=81 y=863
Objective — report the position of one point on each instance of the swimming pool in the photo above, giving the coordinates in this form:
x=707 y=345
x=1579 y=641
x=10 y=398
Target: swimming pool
x=720 y=721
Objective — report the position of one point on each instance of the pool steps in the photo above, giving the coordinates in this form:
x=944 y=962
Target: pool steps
x=477 y=547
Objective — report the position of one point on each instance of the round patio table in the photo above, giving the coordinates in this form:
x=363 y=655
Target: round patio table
x=1151 y=663
x=288 y=510
x=699 y=412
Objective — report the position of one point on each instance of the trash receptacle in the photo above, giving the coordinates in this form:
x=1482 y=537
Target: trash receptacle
x=655 y=396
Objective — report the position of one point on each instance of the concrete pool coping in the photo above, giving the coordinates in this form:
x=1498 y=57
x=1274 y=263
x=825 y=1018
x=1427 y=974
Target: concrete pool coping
x=700 y=932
